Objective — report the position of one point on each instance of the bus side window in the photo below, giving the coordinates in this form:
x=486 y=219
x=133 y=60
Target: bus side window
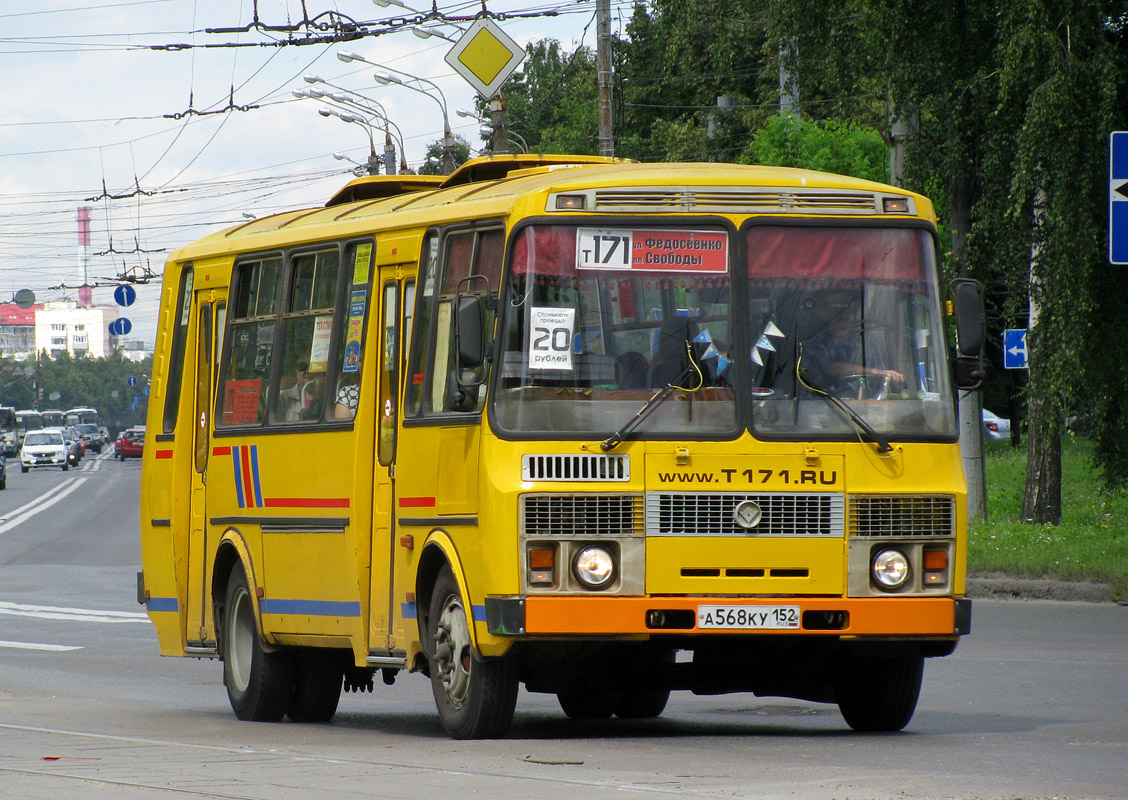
x=307 y=331
x=242 y=395
x=179 y=343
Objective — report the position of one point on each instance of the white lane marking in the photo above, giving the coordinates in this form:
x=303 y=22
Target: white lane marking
x=55 y=648
x=41 y=503
x=79 y=614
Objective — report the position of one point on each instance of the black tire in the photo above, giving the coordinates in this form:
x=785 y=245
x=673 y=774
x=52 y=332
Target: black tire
x=582 y=704
x=260 y=684
x=66 y=467
x=642 y=704
x=319 y=676
x=23 y=470
x=878 y=694
x=4 y=482
x=475 y=697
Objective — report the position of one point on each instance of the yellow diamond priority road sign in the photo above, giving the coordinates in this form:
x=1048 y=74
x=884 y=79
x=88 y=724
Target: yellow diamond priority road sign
x=485 y=56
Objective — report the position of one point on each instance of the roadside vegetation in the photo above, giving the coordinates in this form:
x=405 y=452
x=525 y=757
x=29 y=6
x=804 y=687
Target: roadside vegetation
x=1090 y=544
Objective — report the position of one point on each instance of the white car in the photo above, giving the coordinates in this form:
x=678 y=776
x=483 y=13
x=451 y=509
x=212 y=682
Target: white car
x=43 y=448
x=994 y=426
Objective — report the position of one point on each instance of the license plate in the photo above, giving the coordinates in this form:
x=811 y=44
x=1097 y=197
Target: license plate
x=755 y=618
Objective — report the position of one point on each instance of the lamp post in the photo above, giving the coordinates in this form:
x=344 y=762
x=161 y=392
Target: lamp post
x=492 y=129
x=373 y=160
x=370 y=107
x=437 y=96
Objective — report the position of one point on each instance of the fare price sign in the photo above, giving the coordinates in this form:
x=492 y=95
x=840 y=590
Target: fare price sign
x=652 y=250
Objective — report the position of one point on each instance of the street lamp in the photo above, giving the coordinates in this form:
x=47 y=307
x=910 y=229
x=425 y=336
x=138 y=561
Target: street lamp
x=373 y=161
x=438 y=96
x=348 y=98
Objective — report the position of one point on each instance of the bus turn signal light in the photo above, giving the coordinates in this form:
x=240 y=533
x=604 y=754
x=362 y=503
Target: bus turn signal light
x=542 y=564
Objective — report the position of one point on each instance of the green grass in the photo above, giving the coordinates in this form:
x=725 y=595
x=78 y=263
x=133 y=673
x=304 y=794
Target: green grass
x=1090 y=544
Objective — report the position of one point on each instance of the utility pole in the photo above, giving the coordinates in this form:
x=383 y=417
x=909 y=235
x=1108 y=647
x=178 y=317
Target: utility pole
x=603 y=64
x=499 y=118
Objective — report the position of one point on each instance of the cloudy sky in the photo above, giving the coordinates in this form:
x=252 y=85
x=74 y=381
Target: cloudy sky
x=103 y=107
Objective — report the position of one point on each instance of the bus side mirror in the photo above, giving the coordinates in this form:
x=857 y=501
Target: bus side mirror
x=469 y=330
x=969 y=368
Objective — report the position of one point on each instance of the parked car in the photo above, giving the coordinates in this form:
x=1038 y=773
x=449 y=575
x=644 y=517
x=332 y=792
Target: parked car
x=132 y=443
x=93 y=436
x=994 y=426
x=44 y=448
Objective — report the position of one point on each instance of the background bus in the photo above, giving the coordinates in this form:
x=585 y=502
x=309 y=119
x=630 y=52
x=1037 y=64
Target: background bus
x=11 y=444
x=83 y=415
x=27 y=420
x=53 y=418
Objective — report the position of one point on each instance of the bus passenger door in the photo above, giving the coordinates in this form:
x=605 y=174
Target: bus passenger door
x=199 y=572
x=386 y=359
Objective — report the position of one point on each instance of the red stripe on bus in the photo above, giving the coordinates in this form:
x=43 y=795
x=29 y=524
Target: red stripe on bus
x=164 y=454
x=221 y=451
x=417 y=502
x=248 y=485
x=306 y=502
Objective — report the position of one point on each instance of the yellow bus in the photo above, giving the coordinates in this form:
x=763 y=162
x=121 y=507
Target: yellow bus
x=601 y=428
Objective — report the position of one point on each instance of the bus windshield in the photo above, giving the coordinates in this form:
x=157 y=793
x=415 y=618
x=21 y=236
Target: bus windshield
x=595 y=321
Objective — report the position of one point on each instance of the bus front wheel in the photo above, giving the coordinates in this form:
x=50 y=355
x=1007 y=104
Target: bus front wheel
x=475 y=697
x=260 y=684
x=878 y=694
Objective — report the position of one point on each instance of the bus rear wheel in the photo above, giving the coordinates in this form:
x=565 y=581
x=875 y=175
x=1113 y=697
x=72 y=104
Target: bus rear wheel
x=319 y=677
x=260 y=684
x=475 y=697
x=878 y=694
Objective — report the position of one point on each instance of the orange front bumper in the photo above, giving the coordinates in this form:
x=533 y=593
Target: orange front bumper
x=608 y=616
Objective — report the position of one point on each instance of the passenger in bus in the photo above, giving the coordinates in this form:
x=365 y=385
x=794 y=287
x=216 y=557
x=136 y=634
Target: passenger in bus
x=291 y=398
x=631 y=369
x=840 y=349
x=348 y=395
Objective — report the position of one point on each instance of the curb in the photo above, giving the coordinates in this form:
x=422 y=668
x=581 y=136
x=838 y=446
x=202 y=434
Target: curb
x=1003 y=588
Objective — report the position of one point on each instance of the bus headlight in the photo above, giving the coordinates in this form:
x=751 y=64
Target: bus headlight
x=594 y=567
x=890 y=569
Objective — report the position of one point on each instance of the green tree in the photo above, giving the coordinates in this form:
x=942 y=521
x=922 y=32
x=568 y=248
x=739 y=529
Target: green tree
x=828 y=146
x=433 y=161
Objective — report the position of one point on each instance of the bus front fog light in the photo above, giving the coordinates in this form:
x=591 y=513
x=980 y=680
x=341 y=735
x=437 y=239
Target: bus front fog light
x=594 y=567
x=890 y=569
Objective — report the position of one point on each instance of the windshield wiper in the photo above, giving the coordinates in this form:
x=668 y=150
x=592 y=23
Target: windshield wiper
x=615 y=439
x=883 y=445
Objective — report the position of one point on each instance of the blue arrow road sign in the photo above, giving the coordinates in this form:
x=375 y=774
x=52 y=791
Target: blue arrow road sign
x=1118 y=197
x=124 y=295
x=120 y=327
x=1014 y=348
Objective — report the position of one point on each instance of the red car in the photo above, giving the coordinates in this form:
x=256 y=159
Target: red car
x=130 y=444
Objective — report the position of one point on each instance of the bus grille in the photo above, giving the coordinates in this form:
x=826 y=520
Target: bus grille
x=721 y=200
x=581 y=515
x=708 y=514
x=587 y=467
x=903 y=515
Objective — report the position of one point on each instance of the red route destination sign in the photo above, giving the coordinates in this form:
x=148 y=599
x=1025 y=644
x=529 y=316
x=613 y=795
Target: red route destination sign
x=652 y=250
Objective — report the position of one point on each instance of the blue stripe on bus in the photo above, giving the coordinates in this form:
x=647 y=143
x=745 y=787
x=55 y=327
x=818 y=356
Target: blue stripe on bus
x=237 y=465
x=255 y=477
x=313 y=608
x=162 y=604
